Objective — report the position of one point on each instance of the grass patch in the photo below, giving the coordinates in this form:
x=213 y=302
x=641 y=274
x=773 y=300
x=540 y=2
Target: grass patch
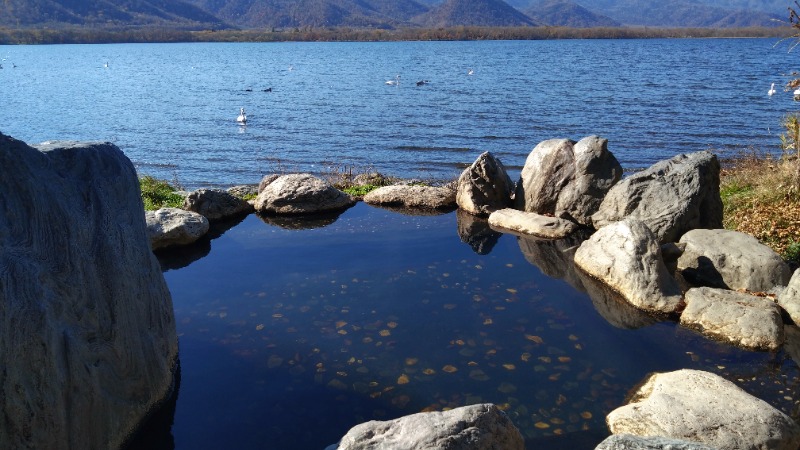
x=158 y=194
x=360 y=190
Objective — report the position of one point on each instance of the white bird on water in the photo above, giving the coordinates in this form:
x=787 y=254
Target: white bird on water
x=470 y=72
x=394 y=82
x=242 y=119
x=771 y=91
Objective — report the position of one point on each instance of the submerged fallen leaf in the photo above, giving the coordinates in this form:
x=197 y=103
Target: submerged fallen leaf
x=509 y=366
x=429 y=371
x=411 y=361
x=541 y=425
x=449 y=369
x=385 y=333
x=533 y=338
x=402 y=379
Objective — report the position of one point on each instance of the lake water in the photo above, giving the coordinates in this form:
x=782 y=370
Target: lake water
x=291 y=333
x=172 y=107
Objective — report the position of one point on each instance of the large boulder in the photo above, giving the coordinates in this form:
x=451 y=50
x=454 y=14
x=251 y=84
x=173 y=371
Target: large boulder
x=567 y=179
x=671 y=197
x=216 y=204
x=474 y=427
x=413 y=196
x=704 y=407
x=744 y=320
x=87 y=332
x=730 y=259
x=626 y=256
x=789 y=299
x=170 y=227
x=528 y=223
x=300 y=194
x=631 y=442
x=484 y=186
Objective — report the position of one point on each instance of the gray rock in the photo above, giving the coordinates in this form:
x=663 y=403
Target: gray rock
x=422 y=197
x=704 y=407
x=671 y=197
x=744 y=320
x=215 y=204
x=731 y=260
x=300 y=194
x=528 y=223
x=484 y=186
x=475 y=427
x=789 y=299
x=626 y=256
x=567 y=179
x=630 y=442
x=168 y=227
x=243 y=190
x=87 y=342
x=792 y=343
x=266 y=180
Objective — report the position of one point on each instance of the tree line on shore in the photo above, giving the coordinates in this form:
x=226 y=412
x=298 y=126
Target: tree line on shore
x=11 y=36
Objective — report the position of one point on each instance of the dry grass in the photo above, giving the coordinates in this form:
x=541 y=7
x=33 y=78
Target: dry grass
x=761 y=197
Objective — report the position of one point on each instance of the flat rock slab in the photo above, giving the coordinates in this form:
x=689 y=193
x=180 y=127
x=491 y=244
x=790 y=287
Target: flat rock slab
x=630 y=442
x=731 y=260
x=422 y=197
x=626 y=257
x=700 y=406
x=744 y=320
x=474 y=427
x=532 y=224
x=169 y=227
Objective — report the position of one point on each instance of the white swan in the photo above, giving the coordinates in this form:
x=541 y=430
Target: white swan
x=796 y=94
x=394 y=82
x=771 y=91
x=470 y=72
x=242 y=119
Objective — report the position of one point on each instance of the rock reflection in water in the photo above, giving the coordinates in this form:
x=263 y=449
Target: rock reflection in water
x=301 y=222
x=555 y=258
x=475 y=232
x=174 y=258
x=613 y=307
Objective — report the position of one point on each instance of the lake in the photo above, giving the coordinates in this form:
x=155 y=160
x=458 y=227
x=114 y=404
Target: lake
x=292 y=332
x=172 y=107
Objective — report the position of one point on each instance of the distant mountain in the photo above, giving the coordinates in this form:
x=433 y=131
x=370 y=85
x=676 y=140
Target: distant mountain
x=486 y=13
x=316 y=13
x=566 y=13
x=166 y=13
x=682 y=13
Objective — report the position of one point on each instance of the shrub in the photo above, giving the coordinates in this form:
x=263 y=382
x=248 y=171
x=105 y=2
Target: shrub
x=158 y=194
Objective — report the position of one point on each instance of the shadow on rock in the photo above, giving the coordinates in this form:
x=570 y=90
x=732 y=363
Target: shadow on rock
x=613 y=307
x=555 y=258
x=475 y=232
x=301 y=222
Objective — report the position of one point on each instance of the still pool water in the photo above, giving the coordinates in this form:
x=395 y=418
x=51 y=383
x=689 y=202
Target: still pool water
x=292 y=332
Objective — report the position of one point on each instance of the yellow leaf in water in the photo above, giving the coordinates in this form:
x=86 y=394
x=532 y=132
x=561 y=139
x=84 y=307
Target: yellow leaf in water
x=572 y=337
x=429 y=371
x=541 y=425
x=564 y=359
x=533 y=338
x=340 y=324
x=385 y=333
x=545 y=359
x=509 y=366
x=459 y=342
x=487 y=321
x=411 y=361
x=449 y=369
x=277 y=315
x=402 y=379
x=586 y=415
x=259 y=327
x=512 y=290
x=554 y=377
x=525 y=357
x=392 y=325
x=342 y=332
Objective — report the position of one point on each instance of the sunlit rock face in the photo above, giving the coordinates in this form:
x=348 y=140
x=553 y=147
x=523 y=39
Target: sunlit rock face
x=87 y=332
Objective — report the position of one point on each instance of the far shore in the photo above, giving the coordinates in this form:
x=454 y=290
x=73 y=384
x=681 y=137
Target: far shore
x=86 y=35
